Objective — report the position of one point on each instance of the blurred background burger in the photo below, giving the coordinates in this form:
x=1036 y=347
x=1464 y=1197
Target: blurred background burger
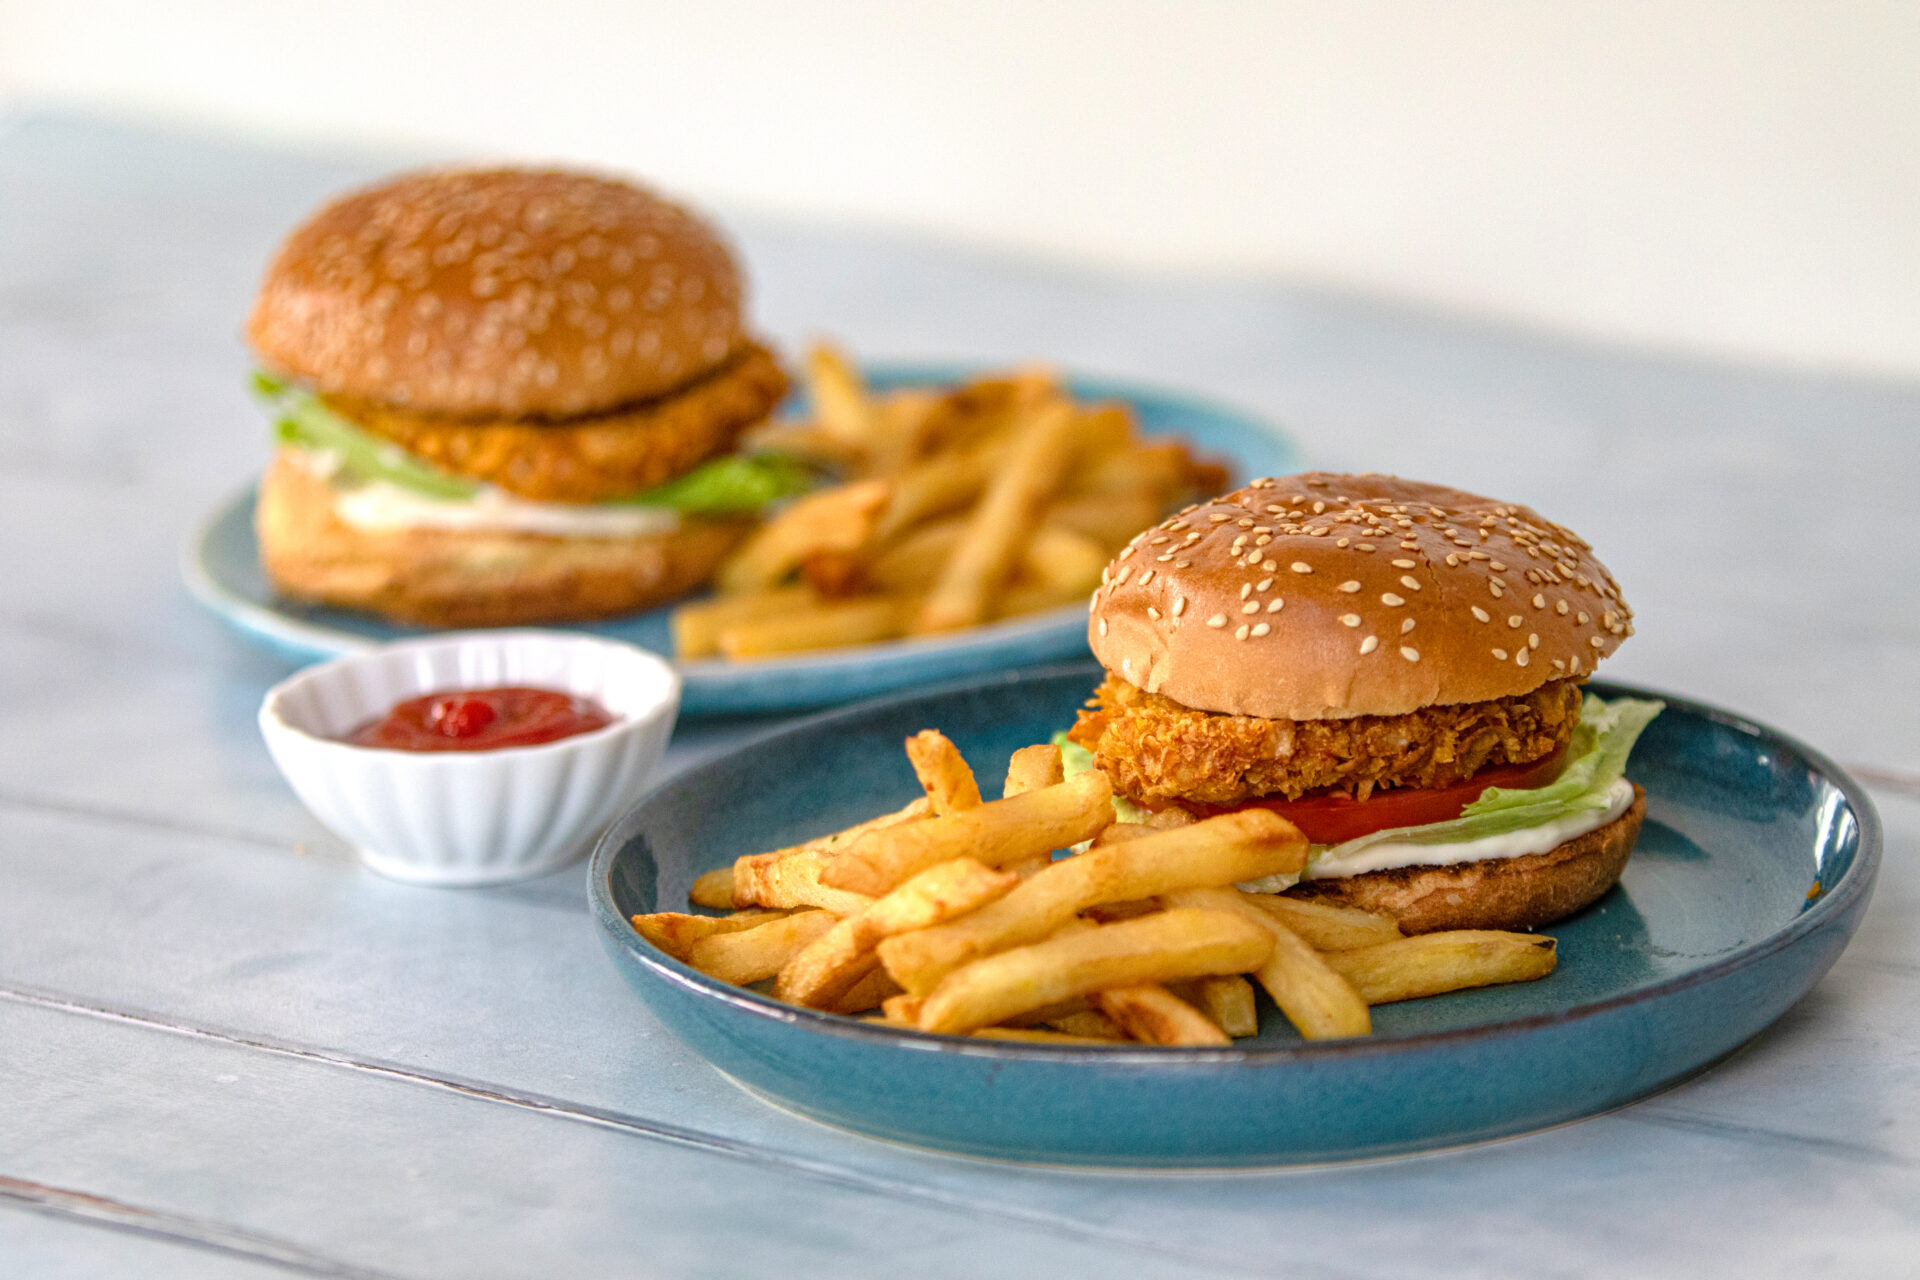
x=505 y=396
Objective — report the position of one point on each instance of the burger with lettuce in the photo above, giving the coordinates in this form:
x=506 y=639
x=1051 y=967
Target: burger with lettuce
x=506 y=396
x=1395 y=667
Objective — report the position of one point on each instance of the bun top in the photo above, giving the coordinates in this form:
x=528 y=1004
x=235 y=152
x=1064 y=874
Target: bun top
x=1322 y=596
x=501 y=292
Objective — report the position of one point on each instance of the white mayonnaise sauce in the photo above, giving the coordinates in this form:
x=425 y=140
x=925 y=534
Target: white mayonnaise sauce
x=377 y=505
x=1513 y=844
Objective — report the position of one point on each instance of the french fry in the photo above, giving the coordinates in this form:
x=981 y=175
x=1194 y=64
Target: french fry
x=1321 y=1004
x=829 y=967
x=996 y=833
x=903 y=1009
x=836 y=519
x=1016 y=599
x=1008 y=510
x=943 y=772
x=1326 y=927
x=1108 y=518
x=947 y=482
x=1434 y=963
x=697 y=625
x=869 y=993
x=674 y=931
x=1171 y=818
x=1228 y=1000
x=1032 y=768
x=1038 y=1035
x=841 y=404
x=1089 y=1023
x=1152 y=1014
x=1232 y=847
x=1120 y=833
x=1163 y=947
x=916 y=558
x=713 y=889
x=1112 y=912
x=1064 y=560
x=829 y=625
x=792 y=879
x=749 y=955
x=1163 y=466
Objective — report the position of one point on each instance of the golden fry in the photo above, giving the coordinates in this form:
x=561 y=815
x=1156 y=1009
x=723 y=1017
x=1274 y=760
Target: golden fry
x=1320 y=1003
x=1232 y=847
x=1108 y=518
x=869 y=992
x=916 y=558
x=1152 y=1014
x=1032 y=768
x=1326 y=927
x=792 y=879
x=903 y=1009
x=713 y=889
x=841 y=404
x=1120 y=833
x=1434 y=963
x=752 y=954
x=836 y=519
x=943 y=772
x=1038 y=1035
x=1158 y=948
x=1020 y=598
x=829 y=625
x=697 y=625
x=995 y=833
x=1088 y=1023
x=1228 y=1000
x=1064 y=560
x=830 y=966
x=674 y=931
x=1009 y=509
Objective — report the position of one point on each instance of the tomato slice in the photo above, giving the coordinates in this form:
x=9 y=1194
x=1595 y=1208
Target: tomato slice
x=1330 y=819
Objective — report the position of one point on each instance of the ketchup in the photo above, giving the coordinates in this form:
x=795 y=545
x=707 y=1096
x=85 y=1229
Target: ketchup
x=481 y=720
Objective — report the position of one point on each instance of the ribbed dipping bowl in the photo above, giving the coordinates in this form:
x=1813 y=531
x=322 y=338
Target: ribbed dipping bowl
x=471 y=817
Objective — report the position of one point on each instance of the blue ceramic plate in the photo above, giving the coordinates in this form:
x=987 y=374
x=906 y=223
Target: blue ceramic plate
x=1752 y=871
x=222 y=569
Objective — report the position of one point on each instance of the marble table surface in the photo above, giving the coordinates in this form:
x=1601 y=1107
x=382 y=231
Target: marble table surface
x=225 y=1050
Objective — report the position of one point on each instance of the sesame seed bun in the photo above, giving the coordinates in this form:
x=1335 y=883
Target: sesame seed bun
x=1500 y=893
x=503 y=293
x=1324 y=596
x=461 y=578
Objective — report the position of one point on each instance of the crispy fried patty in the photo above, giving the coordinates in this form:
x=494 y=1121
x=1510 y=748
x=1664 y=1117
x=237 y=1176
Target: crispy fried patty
x=590 y=459
x=1156 y=749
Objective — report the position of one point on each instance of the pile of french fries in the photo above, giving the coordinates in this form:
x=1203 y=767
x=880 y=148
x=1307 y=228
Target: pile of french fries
x=995 y=498
x=954 y=915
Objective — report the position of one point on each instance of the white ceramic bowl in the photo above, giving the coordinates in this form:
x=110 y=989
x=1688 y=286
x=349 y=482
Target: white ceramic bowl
x=472 y=817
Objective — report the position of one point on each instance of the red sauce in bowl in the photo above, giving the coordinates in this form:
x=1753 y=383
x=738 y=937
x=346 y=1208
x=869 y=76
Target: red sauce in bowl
x=481 y=720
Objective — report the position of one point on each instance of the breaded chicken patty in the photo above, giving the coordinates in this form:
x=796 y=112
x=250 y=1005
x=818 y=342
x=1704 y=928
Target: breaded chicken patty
x=1154 y=748
x=596 y=458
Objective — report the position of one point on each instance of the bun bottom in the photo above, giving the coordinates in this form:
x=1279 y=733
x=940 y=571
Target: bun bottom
x=1500 y=893
x=458 y=578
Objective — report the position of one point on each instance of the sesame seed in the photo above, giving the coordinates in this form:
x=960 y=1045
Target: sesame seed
x=1153 y=613
x=1350 y=586
x=1406 y=625
x=1182 y=564
x=1265 y=584
x=1246 y=589
x=1103 y=626
x=1369 y=644
x=1520 y=658
x=1217 y=620
x=1410 y=582
x=1301 y=566
x=1410 y=653
x=1560 y=607
x=1364 y=546
x=1496 y=588
x=1482 y=614
x=1597 y=642
x=1581 y=618
x=1179 y=605
x=1539 y=602
x=1217 y=518
x=1341 y=542
x=1500 y=654
x=1514 y=619
x=1403 y=564
x=1533 y=641
x=1163 y=559
x=1388 y=598
x=1351 y=619
x=1573 y=664
x=1251 y=606
x=1120 y=578
x=1127 y=551
x=1267 y=565
x=1453 y=561
x=1261 y=628
x=1496 y=566
x=1274 y=605
x=1240 y=632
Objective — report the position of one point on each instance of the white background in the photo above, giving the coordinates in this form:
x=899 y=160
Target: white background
x=1735 y=179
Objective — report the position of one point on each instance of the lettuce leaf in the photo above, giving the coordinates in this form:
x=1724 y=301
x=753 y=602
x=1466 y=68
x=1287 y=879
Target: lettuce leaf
x=735 y=484
x=1598 y=758
x=1075 y=759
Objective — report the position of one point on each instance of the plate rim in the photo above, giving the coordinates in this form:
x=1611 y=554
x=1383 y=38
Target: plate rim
x=319 y=641
x=1855 y=884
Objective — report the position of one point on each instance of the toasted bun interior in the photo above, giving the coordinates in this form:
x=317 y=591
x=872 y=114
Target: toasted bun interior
x=1322 y=596
x=1500 y=893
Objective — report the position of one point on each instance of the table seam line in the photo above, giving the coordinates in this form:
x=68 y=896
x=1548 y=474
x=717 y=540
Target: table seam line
x=634 y=1126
